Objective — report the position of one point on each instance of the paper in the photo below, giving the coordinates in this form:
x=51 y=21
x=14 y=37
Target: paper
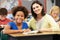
x=31 y=32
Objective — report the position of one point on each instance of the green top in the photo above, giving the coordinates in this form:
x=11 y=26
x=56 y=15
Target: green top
x=45 y=23
x=32 y=24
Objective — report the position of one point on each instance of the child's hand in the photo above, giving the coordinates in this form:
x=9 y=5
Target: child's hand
x=20 y=31
x=27 y=30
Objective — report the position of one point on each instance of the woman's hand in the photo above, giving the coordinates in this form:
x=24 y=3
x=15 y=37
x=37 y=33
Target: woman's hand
x=58 y=23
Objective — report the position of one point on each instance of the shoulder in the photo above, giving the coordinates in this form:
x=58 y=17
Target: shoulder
x=8 y=20
x=48 y=19
x=24 y=23
x=11 y=23
x=47 y=16
x=32 y=20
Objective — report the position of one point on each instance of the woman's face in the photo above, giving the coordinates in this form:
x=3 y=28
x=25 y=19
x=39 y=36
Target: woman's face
x=19 y=17
x=37 y=8
x=55 y=13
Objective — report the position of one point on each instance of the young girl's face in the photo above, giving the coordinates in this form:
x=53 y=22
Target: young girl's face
x=19 y=17
x=55 y=13
x=2 y=17
x=37 y=8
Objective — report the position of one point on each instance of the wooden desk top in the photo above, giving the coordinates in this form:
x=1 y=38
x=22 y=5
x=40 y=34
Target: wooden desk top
x=43 y=33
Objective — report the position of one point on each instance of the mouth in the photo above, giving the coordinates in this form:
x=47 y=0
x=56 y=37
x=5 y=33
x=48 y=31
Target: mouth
x=36 y=10
x=19 y=20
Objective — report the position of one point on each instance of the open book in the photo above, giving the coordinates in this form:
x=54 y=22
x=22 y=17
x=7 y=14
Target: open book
x=32 y=32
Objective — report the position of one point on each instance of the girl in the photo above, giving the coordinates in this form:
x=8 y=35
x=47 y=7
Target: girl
x=18 y=25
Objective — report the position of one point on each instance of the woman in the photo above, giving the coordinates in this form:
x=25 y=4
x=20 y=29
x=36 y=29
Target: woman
x=18 y=25
x=41 y=20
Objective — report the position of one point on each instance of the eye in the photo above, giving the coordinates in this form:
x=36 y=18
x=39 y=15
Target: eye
x=36 y=6
x=18 y=15
x=22 y=16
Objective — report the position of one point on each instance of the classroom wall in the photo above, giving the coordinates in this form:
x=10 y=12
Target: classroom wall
x=27 y=3
x=49 y=5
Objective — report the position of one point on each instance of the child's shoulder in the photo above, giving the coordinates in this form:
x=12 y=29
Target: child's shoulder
x=11 y=22
x=24 y=23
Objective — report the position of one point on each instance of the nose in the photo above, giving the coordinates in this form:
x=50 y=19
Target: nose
x=36 y=9
x=19 y=17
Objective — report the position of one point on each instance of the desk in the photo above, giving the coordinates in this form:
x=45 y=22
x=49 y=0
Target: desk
x=1 y=32
x=39 y=36
x=56 y=36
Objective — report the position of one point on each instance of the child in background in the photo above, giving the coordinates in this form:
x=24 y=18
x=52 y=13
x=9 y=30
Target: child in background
x=9 y=15
x=3 y=22
x=3 y=14
x=55 y=13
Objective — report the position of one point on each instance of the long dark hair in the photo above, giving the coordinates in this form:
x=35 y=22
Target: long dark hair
x=34 y=14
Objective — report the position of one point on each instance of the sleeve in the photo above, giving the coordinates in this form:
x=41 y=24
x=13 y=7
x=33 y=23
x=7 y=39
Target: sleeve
x=54 y=25
x=30 y=22
x=25 y=25
x=30 y=26
x=10 y=24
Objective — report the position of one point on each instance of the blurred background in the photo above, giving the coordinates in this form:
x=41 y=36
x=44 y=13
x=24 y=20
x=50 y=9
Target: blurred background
x=27 y=3
x=9 y=4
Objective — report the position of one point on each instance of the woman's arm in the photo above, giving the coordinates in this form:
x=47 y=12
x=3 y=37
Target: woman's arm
x=54 y=25
x=49 y=24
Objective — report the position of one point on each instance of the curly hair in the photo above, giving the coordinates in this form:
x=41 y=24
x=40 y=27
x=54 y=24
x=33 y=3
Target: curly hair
x=20 y=8
x=33 y=13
